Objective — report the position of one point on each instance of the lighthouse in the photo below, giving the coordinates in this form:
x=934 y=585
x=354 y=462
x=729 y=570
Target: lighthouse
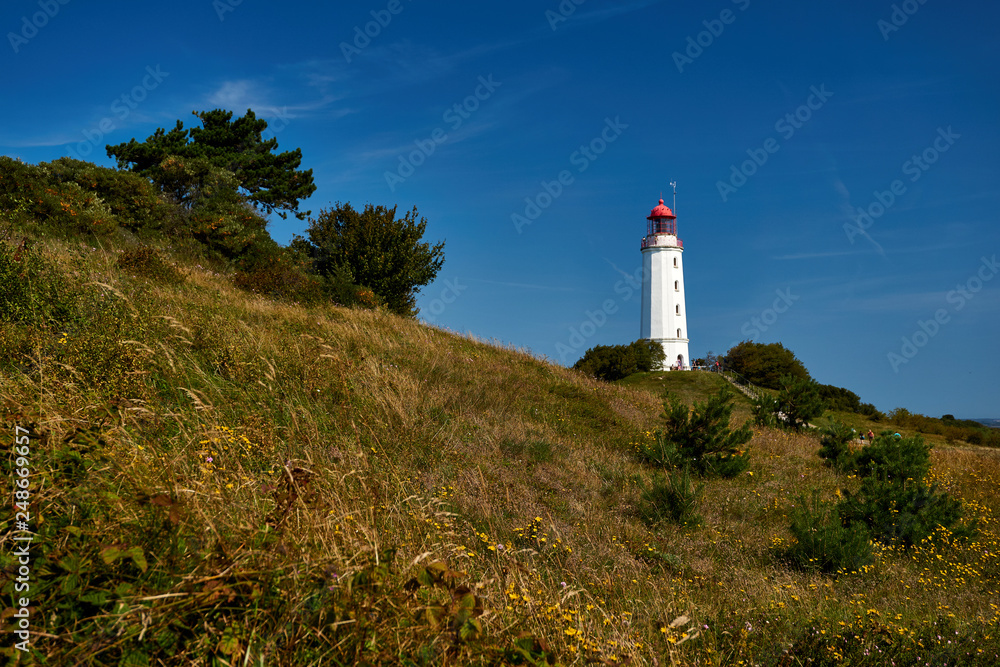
x=664 y=318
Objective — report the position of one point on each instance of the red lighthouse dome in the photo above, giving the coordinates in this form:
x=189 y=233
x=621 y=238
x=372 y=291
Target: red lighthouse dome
x=661 y=211
x=661 y=221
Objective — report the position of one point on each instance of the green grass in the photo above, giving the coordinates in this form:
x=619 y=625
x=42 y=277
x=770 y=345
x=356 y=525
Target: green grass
x=224 y=479
x=690 y=386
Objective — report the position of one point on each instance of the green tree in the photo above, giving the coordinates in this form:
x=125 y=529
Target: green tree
x=835 y=446
x=614 y=362
x=272 y=181
x=838 y=398
x=608 y=362
x=700 y=437
x=798 y=401
x=379 y=250
x=763 y=364
x=649 y=354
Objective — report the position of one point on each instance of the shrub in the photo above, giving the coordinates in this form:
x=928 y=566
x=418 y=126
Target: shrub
x=870 y=411
x=31 y=290
x=672 y=497
x=823 y=542
x=280 y=278
x=614 y=362
x=132 y=199
x=384 y=253
x=895 y=459
x=798 y=401
x=339 y=287
x=834 y=446
x=838 y=398
x=649 y=354
x=764 y=364
x=33 y=195
x=903 y=512
x=608 y=362
x=765 y=411
x=700 y=437
x=893 y=503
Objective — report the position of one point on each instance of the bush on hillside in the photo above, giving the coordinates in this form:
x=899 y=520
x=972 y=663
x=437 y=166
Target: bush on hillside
x=764 y=365
x=893 y=503
x=834 y=446
x=700 y=438
x=870 y=411
x=30 y=196
x=32 y=291
x=823 y=542
x=838 y=398
x=380 y=250
x=649 y=354
x=903 y=512
x=765 y=411
x=614 y=362
x=894 y=459
x=134 y=201
x=340 y=288
x=797 y=402
x=280 y=277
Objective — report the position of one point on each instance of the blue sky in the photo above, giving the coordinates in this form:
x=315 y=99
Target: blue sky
x=780 y=122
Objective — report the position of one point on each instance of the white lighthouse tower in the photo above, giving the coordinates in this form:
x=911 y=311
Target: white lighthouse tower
x=664 y=318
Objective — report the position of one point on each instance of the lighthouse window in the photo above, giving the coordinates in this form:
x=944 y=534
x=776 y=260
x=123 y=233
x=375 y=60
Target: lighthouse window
x=677 y=285
x=677 y=309
x=675 y=262
x=678 y=333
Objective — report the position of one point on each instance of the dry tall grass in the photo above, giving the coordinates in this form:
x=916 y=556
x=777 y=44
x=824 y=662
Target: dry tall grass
x=329 y=486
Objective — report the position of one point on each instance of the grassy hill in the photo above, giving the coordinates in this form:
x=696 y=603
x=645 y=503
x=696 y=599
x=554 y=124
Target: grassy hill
x=221 y=478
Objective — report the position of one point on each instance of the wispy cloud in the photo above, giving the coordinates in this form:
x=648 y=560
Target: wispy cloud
x=266 y=101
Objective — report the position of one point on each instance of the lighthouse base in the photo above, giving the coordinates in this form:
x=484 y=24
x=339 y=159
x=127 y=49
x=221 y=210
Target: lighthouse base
x=676 y=354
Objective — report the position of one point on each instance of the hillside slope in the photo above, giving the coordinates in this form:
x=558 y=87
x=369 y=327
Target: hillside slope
x=219 y=478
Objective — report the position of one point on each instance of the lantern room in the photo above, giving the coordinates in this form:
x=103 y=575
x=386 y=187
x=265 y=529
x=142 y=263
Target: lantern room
x=661 y=220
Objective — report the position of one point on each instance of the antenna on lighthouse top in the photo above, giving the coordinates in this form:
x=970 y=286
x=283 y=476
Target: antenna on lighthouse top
x=674 y=184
